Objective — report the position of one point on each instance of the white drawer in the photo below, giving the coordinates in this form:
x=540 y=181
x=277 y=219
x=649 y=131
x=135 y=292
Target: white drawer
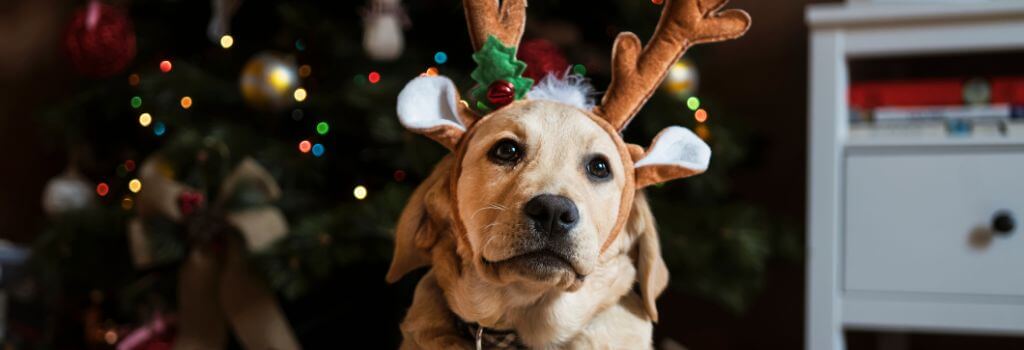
x=909 y=214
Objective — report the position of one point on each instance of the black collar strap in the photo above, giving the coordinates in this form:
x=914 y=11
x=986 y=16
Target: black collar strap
x=486 y=338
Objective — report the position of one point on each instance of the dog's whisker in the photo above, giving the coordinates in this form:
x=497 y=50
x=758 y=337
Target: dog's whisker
x=492 y=206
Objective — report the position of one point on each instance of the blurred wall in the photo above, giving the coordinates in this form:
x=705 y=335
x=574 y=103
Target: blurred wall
x=31 y=73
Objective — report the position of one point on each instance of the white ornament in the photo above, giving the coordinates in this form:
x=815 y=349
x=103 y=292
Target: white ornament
x=382 y=31
x=66 y=192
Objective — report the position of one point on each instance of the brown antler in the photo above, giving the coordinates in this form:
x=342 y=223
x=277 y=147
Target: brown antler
x=505 y=21
x=637 y=71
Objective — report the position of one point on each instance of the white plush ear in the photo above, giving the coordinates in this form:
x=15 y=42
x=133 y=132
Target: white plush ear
x=430 y=106
x=675 y=153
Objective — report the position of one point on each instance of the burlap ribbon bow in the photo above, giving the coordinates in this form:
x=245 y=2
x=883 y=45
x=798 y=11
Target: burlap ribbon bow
x=216 y=286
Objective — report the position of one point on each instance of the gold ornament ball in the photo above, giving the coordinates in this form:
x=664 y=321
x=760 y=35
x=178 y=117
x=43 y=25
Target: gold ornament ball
x=681 y=79
x=268 y=81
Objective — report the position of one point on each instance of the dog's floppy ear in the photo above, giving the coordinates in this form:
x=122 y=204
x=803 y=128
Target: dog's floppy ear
x=431 y=106
x=675 y=153
x=424 y=216
x=652 y=274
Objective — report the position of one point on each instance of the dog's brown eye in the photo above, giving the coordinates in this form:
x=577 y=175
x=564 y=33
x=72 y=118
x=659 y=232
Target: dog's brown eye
x=598 y=168
x=506 y=152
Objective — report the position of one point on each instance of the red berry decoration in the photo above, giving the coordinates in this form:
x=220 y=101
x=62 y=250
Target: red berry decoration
x=100 y=40
x=189 y=202
x=500 y=93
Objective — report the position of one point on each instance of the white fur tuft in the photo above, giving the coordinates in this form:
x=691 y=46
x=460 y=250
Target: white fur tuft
x=573 y=90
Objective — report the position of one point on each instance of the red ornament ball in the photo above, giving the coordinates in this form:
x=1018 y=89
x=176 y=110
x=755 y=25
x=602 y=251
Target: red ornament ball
x=100 y=40
x=542 y=57
x=500 y=93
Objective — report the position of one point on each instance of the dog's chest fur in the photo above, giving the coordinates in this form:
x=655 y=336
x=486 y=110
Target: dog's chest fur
x=541 y=317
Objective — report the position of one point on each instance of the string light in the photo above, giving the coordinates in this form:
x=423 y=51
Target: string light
x=431 y=72
x=318 y=150
x=657 y=2
x=579 y=69
x=305 y=70
x=399 y=175
x=322 y=128
x=165 y=66
x=693 y=103
x=134 y=79
x=359 y=192
x=159 y=128
x=305 y=146
x=186 y=102
x=127 y=203
x=300 y=45
x=440 y=57
x=110 y=336
x=135 y=185
x=701 y=115
x=145 y=119
x=102 y=189
x=226 y=41
x=297 y=114
x=129 y=165
x=136 y=102
x=703 y=132
x=300 y=94
x=373 y=77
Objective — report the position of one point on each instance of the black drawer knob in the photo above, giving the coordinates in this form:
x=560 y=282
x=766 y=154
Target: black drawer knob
x=1003 y=223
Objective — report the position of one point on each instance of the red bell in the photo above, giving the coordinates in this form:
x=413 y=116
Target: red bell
x=500 y=93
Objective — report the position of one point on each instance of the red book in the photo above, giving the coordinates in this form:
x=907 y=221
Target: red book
x=930 y=92
x=897 y=93
x=1008 y=90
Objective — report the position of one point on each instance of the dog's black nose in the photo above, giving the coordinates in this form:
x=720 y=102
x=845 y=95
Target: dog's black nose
x=552 y=214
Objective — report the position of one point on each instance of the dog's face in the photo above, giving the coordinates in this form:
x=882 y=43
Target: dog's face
x=542 y=188
x=539 y=192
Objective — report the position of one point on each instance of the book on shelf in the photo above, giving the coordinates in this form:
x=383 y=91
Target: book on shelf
x=937 y=92
x=996 y=111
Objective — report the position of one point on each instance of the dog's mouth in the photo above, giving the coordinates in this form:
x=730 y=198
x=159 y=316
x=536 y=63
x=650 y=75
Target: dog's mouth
x=540 y=264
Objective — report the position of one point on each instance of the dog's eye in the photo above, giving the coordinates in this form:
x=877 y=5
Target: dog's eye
x=598 y=168
x=506 y=152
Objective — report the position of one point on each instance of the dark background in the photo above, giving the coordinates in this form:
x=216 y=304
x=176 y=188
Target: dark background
x=763 y=76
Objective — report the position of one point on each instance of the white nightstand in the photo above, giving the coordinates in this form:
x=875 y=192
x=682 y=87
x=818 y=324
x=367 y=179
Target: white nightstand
x=890 y=221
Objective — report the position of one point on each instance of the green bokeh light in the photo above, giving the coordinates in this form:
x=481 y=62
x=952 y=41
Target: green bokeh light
x=136 y=102
x=693 y=103
x=579 y=69
x=322 y=128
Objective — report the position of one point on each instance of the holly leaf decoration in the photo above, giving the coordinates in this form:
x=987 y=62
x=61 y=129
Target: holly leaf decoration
x=495 y=61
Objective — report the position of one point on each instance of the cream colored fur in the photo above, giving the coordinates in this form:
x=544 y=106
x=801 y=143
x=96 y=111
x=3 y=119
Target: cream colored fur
x=556 y=311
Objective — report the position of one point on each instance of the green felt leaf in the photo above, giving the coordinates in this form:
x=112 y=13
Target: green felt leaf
x=495 y=61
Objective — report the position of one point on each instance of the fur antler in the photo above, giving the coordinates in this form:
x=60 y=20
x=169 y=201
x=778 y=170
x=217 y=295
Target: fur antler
x=506 y=21
x=637 y=70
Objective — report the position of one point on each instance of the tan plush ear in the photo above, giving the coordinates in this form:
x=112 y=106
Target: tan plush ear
x=422 y=220
x=652 y=274
x=675 y=153
x=431 y=106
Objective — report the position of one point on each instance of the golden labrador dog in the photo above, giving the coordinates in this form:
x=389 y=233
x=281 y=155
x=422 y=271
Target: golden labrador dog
x=535 y=228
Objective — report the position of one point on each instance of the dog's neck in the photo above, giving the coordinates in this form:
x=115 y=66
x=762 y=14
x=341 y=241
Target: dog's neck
x=541 y=316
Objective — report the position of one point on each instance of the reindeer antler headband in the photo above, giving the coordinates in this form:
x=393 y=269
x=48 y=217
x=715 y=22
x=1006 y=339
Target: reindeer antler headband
x=431 y=105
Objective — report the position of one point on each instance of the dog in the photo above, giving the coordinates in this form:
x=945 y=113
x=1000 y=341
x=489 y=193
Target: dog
x=535 y=227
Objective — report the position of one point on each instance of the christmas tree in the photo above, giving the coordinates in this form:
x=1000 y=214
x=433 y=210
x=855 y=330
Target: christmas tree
x=262 y=137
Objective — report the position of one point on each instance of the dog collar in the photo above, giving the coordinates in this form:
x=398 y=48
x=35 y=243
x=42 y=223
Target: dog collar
x=625 y=202
x=486 y=338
